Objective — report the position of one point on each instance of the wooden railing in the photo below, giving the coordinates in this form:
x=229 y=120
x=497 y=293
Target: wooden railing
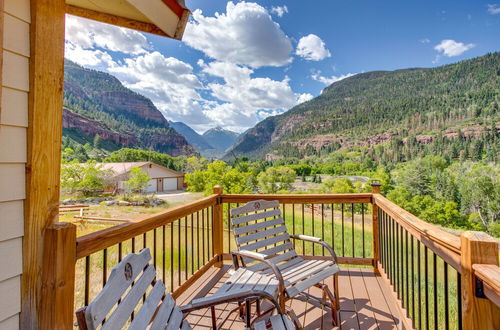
x=416 y=259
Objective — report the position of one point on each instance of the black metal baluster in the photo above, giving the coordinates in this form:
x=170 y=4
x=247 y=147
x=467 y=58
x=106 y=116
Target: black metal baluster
x=426 y=281
x=407 y=276
x=192 y=244
x=352 y=229
x=459 y=300
x=198 y=240
x=144 y=240
x=323 y=225
x=333 y=228
x=419 y=289
x=363 y=227
x=228 y=228
x=446 y=305
x=203 y=233
x=312 y=217
x=179 y=252
x=343 y=252
x=303 y=231
x=398 y=263
x=164 y=258
x=210 y=216
x=120 y=253
x=154 y=248
x=186 y=268
x=413 y=280
x=434 y=277
x=104 y=266
x=87 y=280
x=172 y=256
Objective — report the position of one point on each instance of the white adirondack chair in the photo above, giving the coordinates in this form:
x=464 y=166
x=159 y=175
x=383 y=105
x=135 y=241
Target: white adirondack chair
x=265 y=248
x=128 y=283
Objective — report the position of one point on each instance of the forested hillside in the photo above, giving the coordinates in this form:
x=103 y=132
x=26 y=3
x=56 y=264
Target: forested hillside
x=408 y=113
x=96 y=103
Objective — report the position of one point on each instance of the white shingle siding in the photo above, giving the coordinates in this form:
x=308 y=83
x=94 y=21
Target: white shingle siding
x=13 y=156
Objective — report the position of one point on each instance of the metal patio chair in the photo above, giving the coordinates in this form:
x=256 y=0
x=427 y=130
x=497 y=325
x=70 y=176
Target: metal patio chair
x=128 y=283
x=265 y=248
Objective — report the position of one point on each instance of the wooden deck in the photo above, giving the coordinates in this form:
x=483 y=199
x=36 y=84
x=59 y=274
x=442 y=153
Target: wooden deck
x=366 y=303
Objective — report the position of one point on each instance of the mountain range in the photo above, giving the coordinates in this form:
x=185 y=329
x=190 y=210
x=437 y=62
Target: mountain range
x=96 y=103
x=371 y=108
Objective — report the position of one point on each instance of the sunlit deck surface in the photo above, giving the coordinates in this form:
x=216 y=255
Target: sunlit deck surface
x=366 y=302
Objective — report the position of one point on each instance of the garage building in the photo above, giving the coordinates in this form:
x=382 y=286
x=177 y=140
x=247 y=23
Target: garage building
x=163 y=179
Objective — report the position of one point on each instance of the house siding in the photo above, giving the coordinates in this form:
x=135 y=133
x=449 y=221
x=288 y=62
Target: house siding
x=13 y=155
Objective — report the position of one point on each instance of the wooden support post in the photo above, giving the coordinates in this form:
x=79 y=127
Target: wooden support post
x=58 y=277
x=376 y=251
x=477 y=313
x=45 y=101
x=218 y=228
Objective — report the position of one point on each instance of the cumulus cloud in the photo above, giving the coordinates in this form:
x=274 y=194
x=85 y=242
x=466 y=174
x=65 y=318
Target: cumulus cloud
x=330 y=80
x=89 y=34
x=279 y=10
x=493 y=9
x=424 y=41
x=245 y=35
x=312 y=48
x=246 y=99
x=170 y=83
x=452 y=48
x=95 y=59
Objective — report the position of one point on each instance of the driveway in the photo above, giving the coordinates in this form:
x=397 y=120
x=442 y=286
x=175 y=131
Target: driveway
x=179 y=196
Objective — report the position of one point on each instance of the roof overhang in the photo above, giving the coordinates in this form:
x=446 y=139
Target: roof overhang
x=162 y=17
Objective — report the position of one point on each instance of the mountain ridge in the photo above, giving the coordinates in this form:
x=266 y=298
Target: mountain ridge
x=97 y=103
x=400 y=102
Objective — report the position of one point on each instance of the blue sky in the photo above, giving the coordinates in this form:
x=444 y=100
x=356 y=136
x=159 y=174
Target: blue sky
x=242 y=61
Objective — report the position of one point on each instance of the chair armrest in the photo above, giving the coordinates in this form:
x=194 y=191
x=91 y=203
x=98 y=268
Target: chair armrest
x=319 y=241
x=307 y=238
x=262 y=258
x=250 y=254
x=214 y=300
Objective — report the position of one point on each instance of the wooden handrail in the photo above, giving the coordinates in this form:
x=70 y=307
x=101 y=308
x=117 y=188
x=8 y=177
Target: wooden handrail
x=99 y=240
x=417 y=226
x=489 y=274
x=300 y=198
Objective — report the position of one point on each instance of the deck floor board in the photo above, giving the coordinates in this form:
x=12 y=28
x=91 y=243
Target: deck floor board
x=366 y=302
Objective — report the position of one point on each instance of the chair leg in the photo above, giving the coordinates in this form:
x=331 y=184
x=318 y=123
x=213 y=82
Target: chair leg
x=333 y=300
x=294 y=318
x=214 y=320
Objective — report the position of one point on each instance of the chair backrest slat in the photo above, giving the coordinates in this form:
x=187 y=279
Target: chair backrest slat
x=253 y=206
x=120 y=316
x=255 y=216
x=259 y=226
x=143 y=317
x=164 y=313
x=120 y=279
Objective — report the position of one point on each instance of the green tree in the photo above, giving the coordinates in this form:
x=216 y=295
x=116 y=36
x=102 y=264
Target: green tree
x=138 y=180
x=275 y=179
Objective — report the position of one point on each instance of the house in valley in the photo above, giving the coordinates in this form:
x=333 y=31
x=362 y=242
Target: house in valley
x=163 y=179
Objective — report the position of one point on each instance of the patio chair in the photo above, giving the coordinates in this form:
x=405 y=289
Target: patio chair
x=115 y=304
x=265 y=247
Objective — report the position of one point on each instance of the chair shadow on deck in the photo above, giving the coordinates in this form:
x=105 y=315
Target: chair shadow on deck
x=370 y=311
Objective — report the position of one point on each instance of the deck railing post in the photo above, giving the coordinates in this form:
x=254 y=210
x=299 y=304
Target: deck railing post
x=58 y=277
x=376 y=251
x=218 y=227
x=477 y=313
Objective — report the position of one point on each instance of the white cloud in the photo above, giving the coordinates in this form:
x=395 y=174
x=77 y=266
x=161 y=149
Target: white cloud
x=279 y=10
x=168 y=82
x=312 y=48
x=452 y=48
x=304 y=98
x=246 y=99
x=245 y=34
x=95 y=59
x=493 y=9
x=330 y=80
x=89 y=34
x=425 y=41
